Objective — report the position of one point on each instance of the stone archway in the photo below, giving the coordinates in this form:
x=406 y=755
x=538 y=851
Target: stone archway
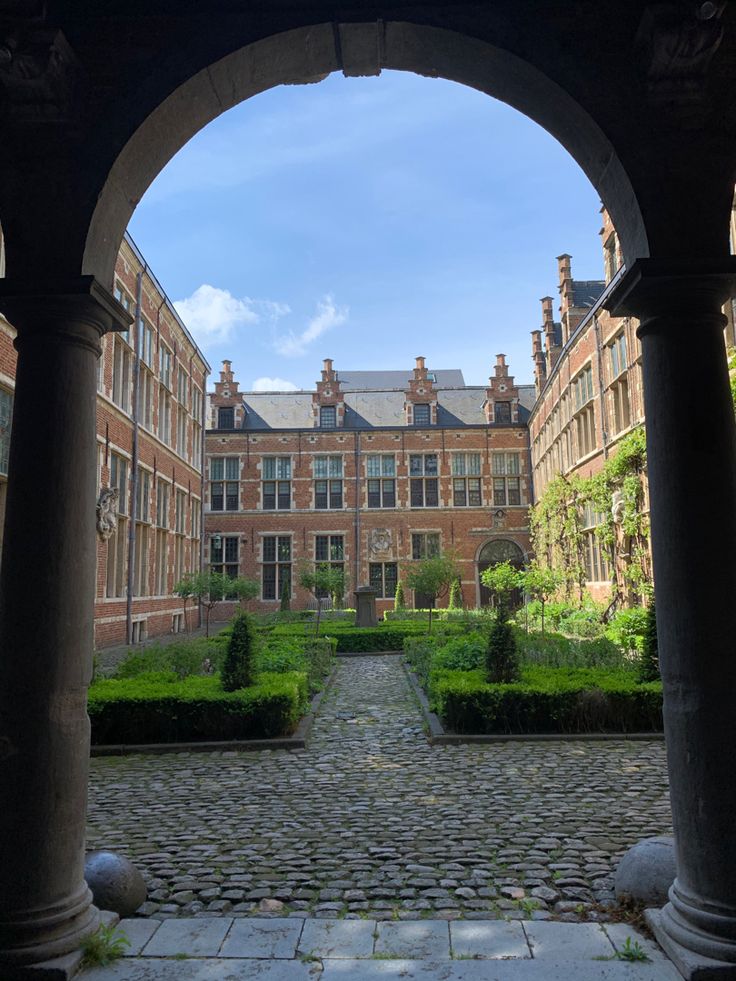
x=494 y=551
x=88 y=128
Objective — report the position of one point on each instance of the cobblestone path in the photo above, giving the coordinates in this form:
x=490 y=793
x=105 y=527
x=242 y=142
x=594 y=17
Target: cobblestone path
x=372 y=821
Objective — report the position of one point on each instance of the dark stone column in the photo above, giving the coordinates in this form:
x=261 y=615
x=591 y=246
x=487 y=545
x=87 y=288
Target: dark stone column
x=691 y=451
x=47 y=589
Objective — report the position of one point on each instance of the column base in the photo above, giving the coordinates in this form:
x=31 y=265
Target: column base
x=32 y=937
x=691 y=965
x=62 y=968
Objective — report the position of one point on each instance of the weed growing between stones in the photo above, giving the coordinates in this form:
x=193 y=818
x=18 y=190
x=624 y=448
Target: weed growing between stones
x=104 y=947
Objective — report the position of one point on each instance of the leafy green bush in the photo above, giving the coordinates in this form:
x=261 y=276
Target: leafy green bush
x=184 y=657
x=238 y=668
x=501 y=656
x=161 y=709
x=649 y=661
x=585 y=620
x=547 y=700
x=627 y=628
x=557 y=651
x=399 y=601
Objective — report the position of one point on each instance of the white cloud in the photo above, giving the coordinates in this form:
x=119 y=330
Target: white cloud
x=328 y=315
x=212 y=314
x=266 y=384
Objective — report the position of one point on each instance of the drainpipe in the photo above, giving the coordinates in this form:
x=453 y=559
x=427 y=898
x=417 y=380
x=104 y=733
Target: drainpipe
x=203 y=457
x=356 y=544
x=134 y=461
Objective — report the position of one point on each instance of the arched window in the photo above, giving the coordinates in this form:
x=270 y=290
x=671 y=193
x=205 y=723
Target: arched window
x=498 y=550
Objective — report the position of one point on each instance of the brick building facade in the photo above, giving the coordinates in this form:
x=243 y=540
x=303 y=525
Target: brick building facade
x=150 y=448
x=369 y=470
x=588 y=382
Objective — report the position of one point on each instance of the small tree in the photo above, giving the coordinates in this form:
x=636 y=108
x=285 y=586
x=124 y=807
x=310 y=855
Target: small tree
x=185 y=589
x=540 y=582
x=455 y=601
x=238 y=669
x=502 y=579
x=399 y=601
x=649 y=662
x=242 y=589
x=432 y=576
x=321 y=580
x=206 y=587
x=285 y=596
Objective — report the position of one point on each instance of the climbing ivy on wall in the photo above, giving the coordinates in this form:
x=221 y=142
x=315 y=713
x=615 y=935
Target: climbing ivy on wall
x=617 y=494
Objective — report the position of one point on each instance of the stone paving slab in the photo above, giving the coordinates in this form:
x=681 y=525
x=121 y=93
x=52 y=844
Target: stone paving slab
x=357 y=949
x=276 y=938
x=194 y=938
x=416 y=939
x=138 y=932
x=155 y=969
x=619 y=933
x=499 y=939
x=567 y=941
x=338 y=938
x=372 y=821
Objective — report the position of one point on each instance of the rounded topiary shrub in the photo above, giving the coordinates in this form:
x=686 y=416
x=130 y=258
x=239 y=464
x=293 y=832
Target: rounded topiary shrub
x=238 y=669
x=502 y=656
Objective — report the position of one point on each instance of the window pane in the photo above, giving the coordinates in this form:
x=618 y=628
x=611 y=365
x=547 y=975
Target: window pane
x=232 y=468
x=512 y=463
x=216 y=497
x=320 y=466
x=499 y=492
x=335 y=466
x=416 y=465
x=431 y=499
x=388 y=465
x=375 y=577
x=474 y=497
x=458 y=464
x=430 y=465
x=373 y=466
x=269 y=582
x=337 y=548
x=417 y=546
x=433 y=545
x=226 y=418
x=389 y=494
x=458 y=493
x=390 y=578
x=502 y=412
x=320 y=548
x=499 y=464
x=417 y=493
x=374 y=493
x=269 y=468
x=421 y=415
x=473 y=462
x=328 y=416
x=320 y=493
x=215 y=550
x=284 y=496
x=269 y=495
x=514 y=490
x=284 y=464
x=232 y=497
x=231 y=549
x=284 y=548
x=269 y=549
x=335 y=493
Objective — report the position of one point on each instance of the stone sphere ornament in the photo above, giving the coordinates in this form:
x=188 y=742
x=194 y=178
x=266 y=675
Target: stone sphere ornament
x=116 y=883
x=647 y=871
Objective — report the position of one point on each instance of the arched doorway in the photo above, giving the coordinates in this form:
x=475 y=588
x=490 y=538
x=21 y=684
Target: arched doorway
x=493 y=552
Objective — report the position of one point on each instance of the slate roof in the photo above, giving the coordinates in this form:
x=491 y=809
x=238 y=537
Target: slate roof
x=384 y=380
x=585 y=292
x=374 y=408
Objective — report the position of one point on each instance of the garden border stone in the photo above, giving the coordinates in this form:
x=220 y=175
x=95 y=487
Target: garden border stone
x=296 y=741
x=439 y=736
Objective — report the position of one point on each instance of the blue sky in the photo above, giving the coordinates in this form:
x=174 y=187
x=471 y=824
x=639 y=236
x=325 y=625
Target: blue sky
x=368 y=220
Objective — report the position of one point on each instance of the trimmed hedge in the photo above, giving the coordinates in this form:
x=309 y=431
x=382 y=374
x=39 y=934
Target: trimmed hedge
x=350 y=639
x=547 y=700
x=159 y=708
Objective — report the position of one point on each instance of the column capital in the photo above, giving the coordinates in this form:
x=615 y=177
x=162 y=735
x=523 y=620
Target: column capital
x=45 y=307
x=679 y=289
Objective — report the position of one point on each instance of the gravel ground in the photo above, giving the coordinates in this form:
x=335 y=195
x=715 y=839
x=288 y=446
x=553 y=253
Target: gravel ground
x=372 y=821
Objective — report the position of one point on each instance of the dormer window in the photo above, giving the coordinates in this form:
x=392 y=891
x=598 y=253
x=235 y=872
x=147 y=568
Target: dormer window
x=226 y=417
x=422 y=416
x=502 y=412
x=328 y=417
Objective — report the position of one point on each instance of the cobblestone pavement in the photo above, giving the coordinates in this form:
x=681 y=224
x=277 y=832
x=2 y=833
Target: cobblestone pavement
x=372 y=821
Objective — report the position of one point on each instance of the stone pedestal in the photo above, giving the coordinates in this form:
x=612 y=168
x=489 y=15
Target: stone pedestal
x=47 y=593
x=691 y=431
x=365 y=607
